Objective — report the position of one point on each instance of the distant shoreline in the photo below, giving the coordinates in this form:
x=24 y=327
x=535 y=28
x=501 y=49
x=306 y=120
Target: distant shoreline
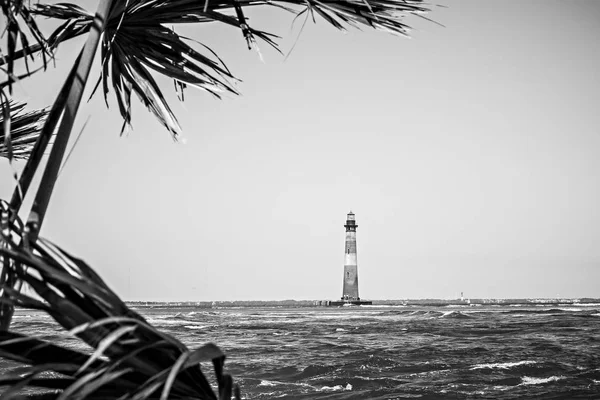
x=404 y=302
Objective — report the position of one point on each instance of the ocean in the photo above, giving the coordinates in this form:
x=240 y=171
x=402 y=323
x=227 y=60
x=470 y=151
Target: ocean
x=390 y=352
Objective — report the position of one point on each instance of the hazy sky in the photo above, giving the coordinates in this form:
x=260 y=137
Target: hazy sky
x=469 y=153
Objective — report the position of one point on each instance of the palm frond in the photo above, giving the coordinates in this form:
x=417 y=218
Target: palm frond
x=135 y=52
x=130 y=359
x=17 y=16
x=24 y=129
x=137 y=41
x=77 y=21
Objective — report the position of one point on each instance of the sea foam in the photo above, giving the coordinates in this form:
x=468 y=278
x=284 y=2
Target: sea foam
x=528 y=380
x=502 y=365
x=336 y=388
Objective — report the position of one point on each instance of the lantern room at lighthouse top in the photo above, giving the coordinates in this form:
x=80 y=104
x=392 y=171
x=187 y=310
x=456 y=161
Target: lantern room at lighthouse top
x=350 y=223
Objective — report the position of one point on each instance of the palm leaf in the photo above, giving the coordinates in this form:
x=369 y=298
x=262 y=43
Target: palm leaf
x=130 y=358
x=17 y=16
x=137 y=40
x=25 y=128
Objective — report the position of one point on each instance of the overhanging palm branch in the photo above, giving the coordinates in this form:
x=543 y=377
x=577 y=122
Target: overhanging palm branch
x=137 y=41
x=24 y=128
x=130 y=358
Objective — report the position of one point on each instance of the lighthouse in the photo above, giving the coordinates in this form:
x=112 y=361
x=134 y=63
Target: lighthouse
x=350 y=295
x=350 y=282
x=350 y=290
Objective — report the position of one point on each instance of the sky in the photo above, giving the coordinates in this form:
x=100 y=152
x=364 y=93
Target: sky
x=469 y=154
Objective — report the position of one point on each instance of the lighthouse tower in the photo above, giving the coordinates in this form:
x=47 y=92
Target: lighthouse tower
x=350 y=291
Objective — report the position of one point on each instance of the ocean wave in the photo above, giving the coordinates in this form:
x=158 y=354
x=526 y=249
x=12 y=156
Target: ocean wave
x=506 y=365
x=431 y=372
x=528 y=380
x=198 y=327
x=547 y=311
x=497 y=388
x=344 y=315
x=312 y=371
x=26 y=316
x=178 y=323
x=268 y=383
x=456 y=315
x=335 y=388
x=161 y=321
x=412 y=313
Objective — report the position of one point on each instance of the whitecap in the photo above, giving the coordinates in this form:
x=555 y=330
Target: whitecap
x=335 y=388
x=160 y=321
x=340 y=330
x=267 y=383
x=173 y=322
x=331 y=388
x=197 y=327
x=528 y=380
x=502 y=365
x=454 y=314
x=500 y=388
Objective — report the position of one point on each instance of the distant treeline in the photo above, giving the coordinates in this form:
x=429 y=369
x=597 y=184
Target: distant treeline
x=216 y=304
x=442 y=302
x=405 y=302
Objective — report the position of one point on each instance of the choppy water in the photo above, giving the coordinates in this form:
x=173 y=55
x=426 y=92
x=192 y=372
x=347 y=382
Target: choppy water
x=378 y=352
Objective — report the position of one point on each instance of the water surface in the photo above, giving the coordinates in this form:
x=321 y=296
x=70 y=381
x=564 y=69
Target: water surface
x=394 y=352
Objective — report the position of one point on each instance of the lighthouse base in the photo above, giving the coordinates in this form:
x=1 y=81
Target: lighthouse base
x=350 y=303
